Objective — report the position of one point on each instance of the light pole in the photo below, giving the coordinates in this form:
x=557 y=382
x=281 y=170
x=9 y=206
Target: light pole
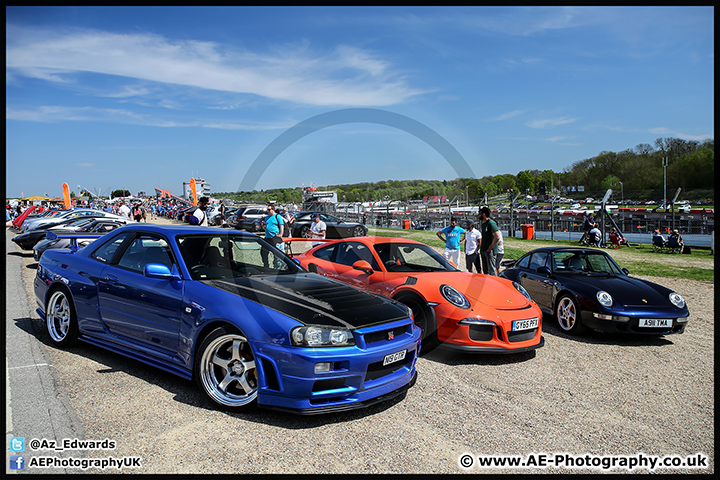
x=664 y=164
x=622 y=195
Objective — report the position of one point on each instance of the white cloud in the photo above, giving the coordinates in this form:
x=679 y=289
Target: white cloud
x=550 y=122
x=346 y=76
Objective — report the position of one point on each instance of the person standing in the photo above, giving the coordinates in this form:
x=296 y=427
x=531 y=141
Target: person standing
x=500 y=253
x=453 y=236
x=472 y=247
x=124 y=210
x=199 y=216
x=490 y=238
x=274 y=225
x=317 y=229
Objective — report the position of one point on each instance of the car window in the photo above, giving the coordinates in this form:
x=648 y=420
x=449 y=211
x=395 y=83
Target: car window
x=537 y=260
x=106 y=251
x=143 y=250
x=209 y=257
x=524 y=262
x=350 y=252
x=411 y=257
x=329 y=218
x=326 y=253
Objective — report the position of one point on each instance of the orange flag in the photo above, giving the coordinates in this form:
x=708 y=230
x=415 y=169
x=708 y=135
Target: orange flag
x=193 y=188
x=66 y=195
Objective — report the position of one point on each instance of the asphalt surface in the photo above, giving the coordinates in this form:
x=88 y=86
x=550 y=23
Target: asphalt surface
x=34 y=408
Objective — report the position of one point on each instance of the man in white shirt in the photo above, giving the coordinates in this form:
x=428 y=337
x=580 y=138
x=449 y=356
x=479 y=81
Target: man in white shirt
x=317 y=229
x=472 y=245
x=124 y=210
x=200 y=214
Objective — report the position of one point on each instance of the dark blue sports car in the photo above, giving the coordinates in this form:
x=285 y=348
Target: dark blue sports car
x=584 y=287
x=232 y=312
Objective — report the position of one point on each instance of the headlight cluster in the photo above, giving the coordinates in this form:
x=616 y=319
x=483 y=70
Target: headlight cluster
x=313 y=336
x=677 y=300
x=454 y=297
x=604 y=298
x=522 y=290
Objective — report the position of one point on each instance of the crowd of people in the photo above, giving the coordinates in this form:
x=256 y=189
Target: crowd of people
x=484 y=248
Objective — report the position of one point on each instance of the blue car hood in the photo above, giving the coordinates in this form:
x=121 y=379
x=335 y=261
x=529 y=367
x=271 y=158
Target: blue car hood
x=314 y=300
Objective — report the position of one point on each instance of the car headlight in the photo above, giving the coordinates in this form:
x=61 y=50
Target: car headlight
x=677 y=300
x=522 y=290
x=604 y=298
x=314 y=336
x=454 y=297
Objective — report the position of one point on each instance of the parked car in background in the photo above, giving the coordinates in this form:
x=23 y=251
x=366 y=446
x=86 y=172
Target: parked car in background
x=56 y=240
x=27 y=240
x=248 y=218
x=458 y=310
x=584 y=287
x=233 y=313
x=81 y=212
x=336 y=228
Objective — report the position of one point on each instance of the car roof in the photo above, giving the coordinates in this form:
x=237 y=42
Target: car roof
x=182 y=229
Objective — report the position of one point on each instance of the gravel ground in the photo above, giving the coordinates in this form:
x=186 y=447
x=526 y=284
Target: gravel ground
x=596 y=394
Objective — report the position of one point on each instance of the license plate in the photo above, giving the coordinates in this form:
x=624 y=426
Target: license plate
x=655 y=322
x=528 y=324
x=394 y=357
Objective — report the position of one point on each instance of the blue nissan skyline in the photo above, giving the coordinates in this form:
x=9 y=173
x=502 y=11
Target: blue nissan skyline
x=233 y=313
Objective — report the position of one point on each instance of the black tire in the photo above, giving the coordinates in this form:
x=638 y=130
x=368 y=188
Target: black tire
x=61 y=319
x=424 y=319
x=359 y=231
x=226 y=371
x=567 y=314
x=305 y=231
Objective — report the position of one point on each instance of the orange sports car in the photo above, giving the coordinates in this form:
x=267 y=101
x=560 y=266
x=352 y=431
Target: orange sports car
x=465 y=311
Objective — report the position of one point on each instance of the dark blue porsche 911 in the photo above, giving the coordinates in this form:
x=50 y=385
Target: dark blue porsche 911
x=584 y=287
x=232 y=312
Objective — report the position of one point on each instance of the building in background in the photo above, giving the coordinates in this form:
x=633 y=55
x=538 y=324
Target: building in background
x=202 y=188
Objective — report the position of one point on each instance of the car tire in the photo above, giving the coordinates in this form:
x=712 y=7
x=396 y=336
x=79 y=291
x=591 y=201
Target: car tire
x=305 y=231
x=423 y=318
x=226 y=370
x=567 y=314
x=61 y=319
x=359 y=231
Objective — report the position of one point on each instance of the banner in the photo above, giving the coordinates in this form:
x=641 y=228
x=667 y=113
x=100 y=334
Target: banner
x=66 y=196
x=193 y=188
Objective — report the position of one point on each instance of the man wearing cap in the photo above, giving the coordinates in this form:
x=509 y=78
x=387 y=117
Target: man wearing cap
x=317 y=229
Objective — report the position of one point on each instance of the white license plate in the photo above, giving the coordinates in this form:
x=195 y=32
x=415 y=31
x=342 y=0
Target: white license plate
x=394 y=357
x=655 y=322
x=518 y=325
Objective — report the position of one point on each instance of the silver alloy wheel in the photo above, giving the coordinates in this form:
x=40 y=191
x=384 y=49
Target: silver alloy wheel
x=566 y=314
x=59 y=316
x=358 y=231
x=228 y=372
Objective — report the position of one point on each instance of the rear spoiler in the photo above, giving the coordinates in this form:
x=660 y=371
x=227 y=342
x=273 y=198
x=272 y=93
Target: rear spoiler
x=288 y=241
x=74 y=237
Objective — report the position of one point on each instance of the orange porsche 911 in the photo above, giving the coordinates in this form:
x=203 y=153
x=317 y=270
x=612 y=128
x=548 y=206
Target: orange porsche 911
x=465 y=311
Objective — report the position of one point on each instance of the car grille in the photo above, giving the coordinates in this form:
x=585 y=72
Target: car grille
x=481 y=333
x=385 y=334
x=521 y=336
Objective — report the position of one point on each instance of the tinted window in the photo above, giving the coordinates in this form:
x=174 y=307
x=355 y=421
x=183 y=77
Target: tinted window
x=538 y=260
x=106 y=251
x=143 y=250
x=326 y=253
x=524 y=262
x=350 y=252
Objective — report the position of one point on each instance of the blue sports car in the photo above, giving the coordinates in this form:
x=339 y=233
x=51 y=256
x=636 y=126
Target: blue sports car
x=232 y=312
x=584 y=287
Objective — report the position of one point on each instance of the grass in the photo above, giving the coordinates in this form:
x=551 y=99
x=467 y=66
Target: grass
x=640 y=259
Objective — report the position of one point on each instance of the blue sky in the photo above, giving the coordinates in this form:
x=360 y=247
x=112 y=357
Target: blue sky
x=138 y=97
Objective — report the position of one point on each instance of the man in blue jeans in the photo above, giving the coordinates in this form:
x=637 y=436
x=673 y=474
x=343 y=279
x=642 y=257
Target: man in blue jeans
x=273 y=231
x=453 y=236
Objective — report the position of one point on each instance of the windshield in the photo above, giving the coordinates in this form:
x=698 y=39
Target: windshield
x=412 y=257
x=584 y=262
x=212 y=256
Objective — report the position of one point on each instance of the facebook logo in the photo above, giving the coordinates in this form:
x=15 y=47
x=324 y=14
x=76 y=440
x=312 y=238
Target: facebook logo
x=17 y=462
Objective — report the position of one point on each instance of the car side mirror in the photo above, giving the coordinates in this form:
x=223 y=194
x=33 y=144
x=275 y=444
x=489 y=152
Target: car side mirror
x=364 y=266
x=544 y=270
x=160 y=271
x=626 y=271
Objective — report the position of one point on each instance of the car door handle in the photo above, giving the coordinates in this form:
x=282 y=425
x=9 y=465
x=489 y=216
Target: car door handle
x=111 y=279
